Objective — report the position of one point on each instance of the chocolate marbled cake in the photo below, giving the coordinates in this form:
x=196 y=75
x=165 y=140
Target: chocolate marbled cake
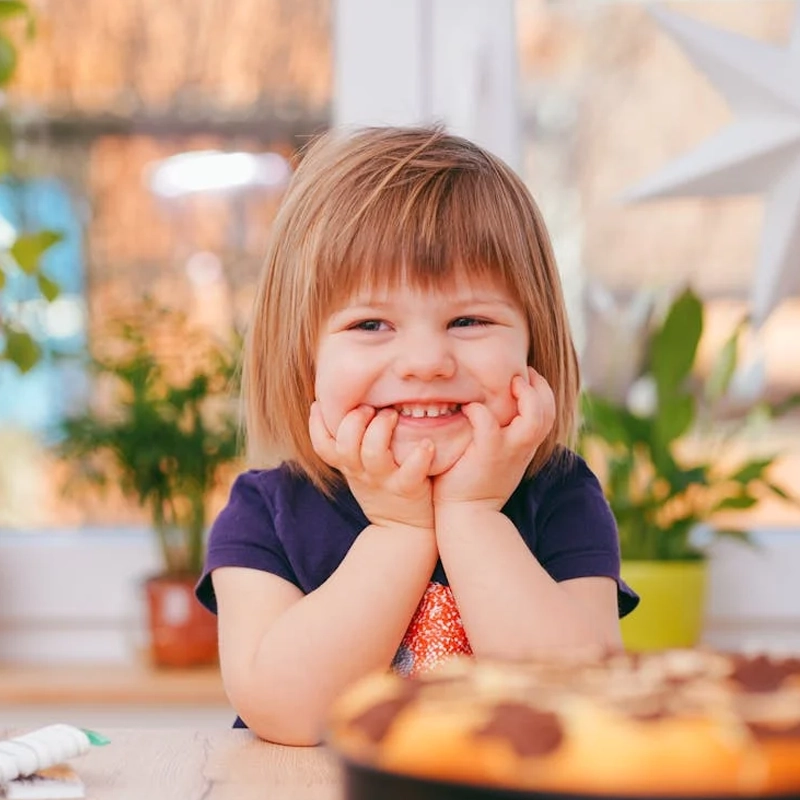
x=672 y=724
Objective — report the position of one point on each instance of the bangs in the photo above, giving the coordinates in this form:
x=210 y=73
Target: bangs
x=424 y=230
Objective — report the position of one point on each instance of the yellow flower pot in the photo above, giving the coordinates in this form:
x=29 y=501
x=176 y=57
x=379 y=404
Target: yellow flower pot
x=670 y=613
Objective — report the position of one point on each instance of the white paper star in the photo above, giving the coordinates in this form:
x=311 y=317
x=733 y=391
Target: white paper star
x=759 y=152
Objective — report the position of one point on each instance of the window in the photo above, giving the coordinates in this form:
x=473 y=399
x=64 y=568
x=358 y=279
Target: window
x=38 y=399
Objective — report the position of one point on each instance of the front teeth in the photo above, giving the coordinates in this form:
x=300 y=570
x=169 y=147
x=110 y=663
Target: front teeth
x=420 y=411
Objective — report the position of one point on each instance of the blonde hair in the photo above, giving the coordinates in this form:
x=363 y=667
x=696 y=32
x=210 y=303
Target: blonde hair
x=384 y=206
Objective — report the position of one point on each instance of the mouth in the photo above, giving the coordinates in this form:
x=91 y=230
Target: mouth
x=427 y=410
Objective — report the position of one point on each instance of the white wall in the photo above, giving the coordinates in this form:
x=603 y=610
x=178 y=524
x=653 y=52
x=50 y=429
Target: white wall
x=754 y=597
x=74 y=596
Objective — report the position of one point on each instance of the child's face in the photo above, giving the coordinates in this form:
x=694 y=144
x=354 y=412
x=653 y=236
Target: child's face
x=425 y=353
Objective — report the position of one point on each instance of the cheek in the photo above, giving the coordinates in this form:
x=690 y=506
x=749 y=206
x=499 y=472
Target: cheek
x=330 y=394
x=336 y=394
x=499 y=398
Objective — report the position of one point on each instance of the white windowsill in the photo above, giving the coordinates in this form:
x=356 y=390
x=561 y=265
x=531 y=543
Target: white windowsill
x=75 y=596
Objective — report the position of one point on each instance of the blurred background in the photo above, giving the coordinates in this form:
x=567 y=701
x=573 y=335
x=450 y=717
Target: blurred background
x=145 y=149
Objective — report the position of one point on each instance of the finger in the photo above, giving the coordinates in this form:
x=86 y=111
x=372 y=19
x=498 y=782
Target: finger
x=375 y=453
x=485 y=429
x=414 y=470
x=536 y=412
x=321 y=440
x=349 y=436
x=547 y=400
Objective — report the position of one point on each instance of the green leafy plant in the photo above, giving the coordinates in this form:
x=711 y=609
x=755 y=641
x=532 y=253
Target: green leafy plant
x=670 y=467
x=17 y=344
x=168 y=434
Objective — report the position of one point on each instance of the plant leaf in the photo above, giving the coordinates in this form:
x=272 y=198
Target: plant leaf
x=605 y=419
x=612 y=422
x=751 y=471
x=28 y=248
x=674 y=417
x=723 y=368
x=12 y=8
x=49 y=288
x=782 y=493
x=2 y=278
x=778 y=490
x=738 y=502
x=681 y=478
x=8 y=60
x=22 y=350
x=675 y=344
x=789 y=404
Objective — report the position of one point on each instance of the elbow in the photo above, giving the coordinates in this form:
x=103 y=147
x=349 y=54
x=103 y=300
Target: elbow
x=612 y=641
x=280 y=705
x=288 y=735
x=279 y=721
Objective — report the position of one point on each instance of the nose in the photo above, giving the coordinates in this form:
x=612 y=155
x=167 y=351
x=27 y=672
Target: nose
x=429 y=357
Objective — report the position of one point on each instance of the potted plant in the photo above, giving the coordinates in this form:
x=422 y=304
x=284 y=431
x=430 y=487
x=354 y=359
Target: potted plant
x=669 y=470
x=165 y=438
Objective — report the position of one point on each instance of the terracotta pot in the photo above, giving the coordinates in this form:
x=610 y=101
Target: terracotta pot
x=182 y=632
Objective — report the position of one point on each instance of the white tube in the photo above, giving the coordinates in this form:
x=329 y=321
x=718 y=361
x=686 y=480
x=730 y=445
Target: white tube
x=42 y=748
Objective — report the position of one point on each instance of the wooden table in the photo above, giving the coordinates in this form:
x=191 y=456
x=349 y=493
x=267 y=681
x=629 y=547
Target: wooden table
x=184 y=764
x=103 y=684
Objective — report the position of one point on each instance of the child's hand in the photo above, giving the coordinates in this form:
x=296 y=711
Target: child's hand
x=496 y=458
x=388 y=493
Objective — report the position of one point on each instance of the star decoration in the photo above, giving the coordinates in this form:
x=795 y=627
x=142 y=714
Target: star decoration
x=757 y=153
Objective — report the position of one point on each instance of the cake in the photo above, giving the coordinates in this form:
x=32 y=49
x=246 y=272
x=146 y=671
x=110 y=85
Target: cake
x=676 y=723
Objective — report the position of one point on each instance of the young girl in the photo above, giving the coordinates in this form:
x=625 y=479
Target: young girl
x=410 y=364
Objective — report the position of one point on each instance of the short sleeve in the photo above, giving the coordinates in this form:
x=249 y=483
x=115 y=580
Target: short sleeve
x=244 y=535
x=577 y=534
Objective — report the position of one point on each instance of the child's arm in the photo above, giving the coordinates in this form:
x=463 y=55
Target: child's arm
x=509 y=604
x=285 y=656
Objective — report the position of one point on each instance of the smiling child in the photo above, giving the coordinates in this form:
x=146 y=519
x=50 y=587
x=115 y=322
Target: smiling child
x=410 y=367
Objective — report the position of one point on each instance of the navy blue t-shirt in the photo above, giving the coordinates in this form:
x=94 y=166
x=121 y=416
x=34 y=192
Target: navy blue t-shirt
x=278 y=521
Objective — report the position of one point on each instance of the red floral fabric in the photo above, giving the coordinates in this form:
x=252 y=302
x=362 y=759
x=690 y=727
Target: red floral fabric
x=434 y=635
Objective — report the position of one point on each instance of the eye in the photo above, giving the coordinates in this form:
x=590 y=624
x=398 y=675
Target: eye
x=469 y=322
x=369 y=325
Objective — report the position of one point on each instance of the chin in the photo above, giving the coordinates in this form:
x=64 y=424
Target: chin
x=446 y=455
x=441 y=465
